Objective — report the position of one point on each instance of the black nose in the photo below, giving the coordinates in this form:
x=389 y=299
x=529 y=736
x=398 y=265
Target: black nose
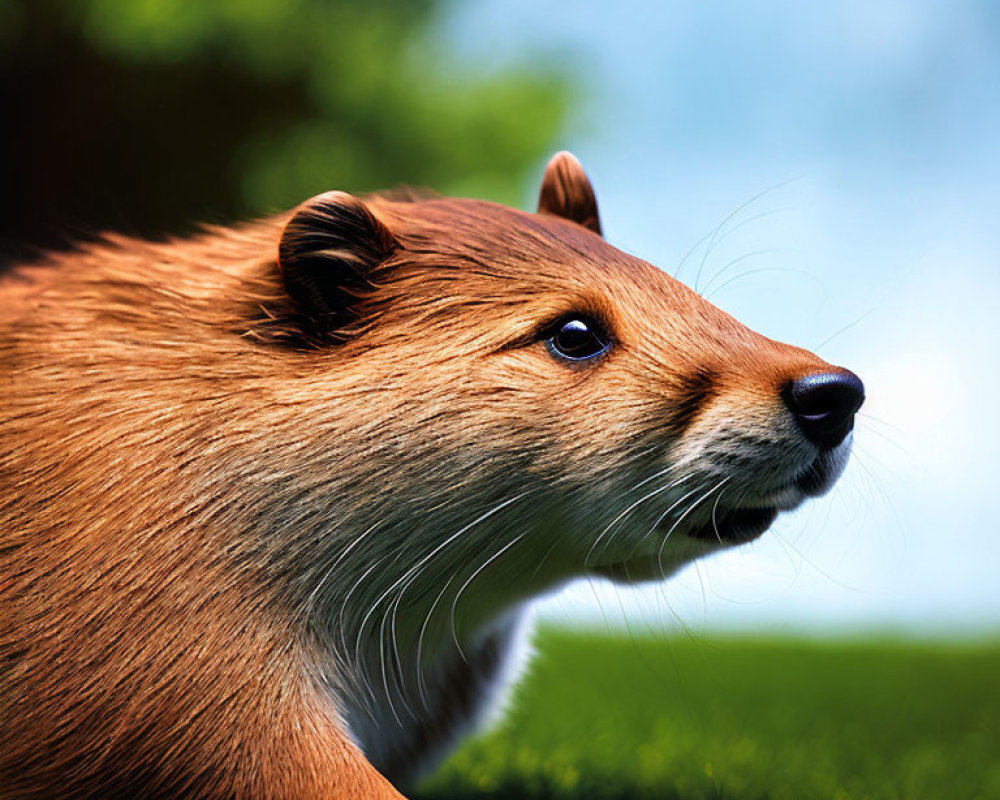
x=824 y=405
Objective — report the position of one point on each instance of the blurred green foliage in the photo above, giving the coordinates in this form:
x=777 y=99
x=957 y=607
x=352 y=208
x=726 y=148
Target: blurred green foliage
x=147 y=115
x=605 y=717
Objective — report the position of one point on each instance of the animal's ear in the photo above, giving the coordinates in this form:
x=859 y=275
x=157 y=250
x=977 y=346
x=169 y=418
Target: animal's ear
x=328 y=253
x=566 y=192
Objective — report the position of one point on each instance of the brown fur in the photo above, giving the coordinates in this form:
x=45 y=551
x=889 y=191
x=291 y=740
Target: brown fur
x=188 y=443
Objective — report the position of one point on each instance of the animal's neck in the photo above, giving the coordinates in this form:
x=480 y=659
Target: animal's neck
x=420 y=624
x=411 y=713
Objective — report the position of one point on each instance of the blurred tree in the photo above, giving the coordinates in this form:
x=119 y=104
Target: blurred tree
x=148 y=115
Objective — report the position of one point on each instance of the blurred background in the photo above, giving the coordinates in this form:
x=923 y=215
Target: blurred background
x=828 y=173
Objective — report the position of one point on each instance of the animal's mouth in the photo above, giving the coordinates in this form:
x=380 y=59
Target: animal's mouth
x=815 y=480
x=742 y=525
x=745 y=523
x=730 y=527
x=818 y=478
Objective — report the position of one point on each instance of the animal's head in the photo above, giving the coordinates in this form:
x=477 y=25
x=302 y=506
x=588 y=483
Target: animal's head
x=582 y=405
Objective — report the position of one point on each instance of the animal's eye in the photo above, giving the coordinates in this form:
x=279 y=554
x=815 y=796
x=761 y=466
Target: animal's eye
x=578 y=338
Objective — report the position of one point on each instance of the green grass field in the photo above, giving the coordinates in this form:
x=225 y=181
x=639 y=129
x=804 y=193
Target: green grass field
x=606 y=717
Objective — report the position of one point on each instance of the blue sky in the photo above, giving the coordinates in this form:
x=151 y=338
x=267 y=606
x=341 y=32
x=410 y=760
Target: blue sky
x=851 y=152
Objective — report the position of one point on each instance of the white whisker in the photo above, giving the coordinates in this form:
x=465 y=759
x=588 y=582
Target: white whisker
x=688 y=510
x=404 y=580
x=311 y=601
x=421 y=684
x=458 y=596
x=626 y=512
x=663 y=516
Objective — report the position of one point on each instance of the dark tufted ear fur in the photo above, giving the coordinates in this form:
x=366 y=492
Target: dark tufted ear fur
x=327 y=254
x=566 y=192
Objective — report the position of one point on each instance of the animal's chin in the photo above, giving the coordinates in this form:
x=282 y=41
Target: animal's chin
x=738 y=526
x=734 y=527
